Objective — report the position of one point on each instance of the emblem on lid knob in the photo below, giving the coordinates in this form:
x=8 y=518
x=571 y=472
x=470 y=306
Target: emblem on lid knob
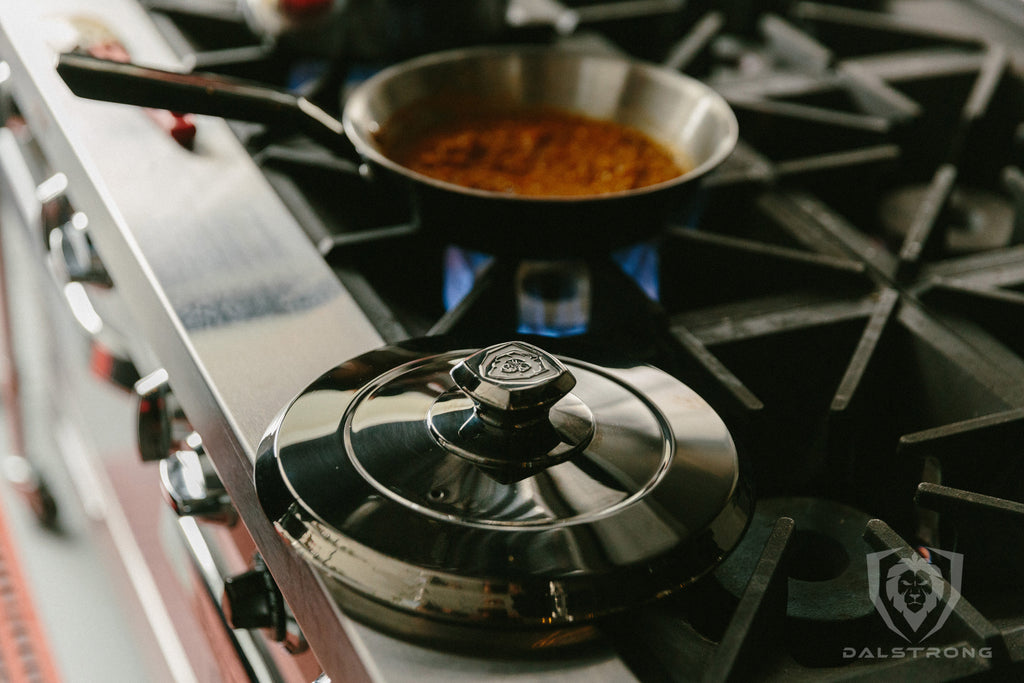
x=513 y=379
x=516 y=363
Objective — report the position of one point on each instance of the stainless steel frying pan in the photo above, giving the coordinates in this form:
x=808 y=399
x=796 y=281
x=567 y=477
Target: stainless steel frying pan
x=681 y=113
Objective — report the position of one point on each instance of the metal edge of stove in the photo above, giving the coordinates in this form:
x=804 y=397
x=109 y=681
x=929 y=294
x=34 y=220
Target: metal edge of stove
x=118 y=233
x=219 y=279
x=58 y=149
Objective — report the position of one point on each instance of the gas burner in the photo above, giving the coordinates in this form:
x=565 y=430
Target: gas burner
x=827 y=586
x=973 y=219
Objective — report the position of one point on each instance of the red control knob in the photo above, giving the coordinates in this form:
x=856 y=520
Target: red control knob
x=304 y=9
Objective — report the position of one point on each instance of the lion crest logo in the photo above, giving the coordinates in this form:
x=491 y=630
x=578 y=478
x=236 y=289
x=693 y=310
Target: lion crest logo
x=907 y=591
x=514 y=362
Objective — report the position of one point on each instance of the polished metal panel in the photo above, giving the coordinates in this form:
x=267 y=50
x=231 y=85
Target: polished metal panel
x=354 y=476
x=216 y=274
x=683 y=114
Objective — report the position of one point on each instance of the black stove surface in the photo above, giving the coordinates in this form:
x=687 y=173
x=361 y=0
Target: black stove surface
x=848 y=295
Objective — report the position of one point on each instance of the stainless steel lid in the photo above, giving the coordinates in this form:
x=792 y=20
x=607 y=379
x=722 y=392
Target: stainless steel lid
x=503 y=487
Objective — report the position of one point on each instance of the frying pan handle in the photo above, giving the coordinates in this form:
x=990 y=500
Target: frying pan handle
x=199 y=93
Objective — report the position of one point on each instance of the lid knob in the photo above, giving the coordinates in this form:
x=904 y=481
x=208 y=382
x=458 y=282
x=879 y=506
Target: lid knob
x=511 y=412
x=513 y=383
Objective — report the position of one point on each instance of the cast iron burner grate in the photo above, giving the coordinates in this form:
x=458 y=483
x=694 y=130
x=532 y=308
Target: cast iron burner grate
x=850 y=298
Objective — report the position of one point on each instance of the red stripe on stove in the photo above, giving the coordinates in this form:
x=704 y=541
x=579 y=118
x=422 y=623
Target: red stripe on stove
x=24 y=653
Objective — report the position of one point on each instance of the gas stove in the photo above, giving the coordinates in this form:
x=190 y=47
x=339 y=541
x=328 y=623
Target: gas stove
x=846 y=294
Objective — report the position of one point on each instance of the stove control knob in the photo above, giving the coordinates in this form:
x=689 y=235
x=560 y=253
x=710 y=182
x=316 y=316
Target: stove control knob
x=192 y=486
x=83 y=280
x=72 y=255
x=65 y=232
x=162 y=427
x=55 y=208
x=252 y=600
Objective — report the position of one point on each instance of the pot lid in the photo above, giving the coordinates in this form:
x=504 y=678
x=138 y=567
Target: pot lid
x=502 y=486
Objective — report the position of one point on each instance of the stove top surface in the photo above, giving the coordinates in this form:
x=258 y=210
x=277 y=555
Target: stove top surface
x=847 y=296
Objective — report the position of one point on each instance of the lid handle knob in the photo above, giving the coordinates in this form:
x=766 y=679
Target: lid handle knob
x=513 y=383
x=511 y=413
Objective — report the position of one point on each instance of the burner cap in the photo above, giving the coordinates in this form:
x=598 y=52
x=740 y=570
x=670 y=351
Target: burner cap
x=444 y=493
x=974 y=219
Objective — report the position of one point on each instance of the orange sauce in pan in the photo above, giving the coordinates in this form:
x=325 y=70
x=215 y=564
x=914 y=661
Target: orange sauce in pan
x=535 y=152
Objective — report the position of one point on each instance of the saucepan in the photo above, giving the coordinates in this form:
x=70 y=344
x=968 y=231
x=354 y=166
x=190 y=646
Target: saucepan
x=683 y=115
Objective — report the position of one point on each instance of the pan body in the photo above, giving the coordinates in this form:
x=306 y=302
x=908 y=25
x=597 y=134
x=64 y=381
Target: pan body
x=683 y=114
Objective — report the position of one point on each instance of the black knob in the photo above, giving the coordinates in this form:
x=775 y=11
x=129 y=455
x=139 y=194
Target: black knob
x=252 y=600
x=513 y=382
x=162 y=427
